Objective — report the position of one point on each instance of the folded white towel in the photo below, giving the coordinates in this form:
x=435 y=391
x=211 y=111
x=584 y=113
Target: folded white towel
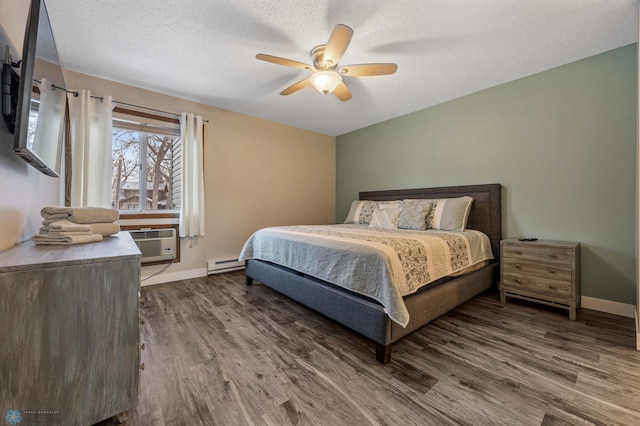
x=105 y=229
x=55 y=210
x=55 y=217
x=93 y=215
x=67 y=226
x=66 y=240
x=80 y=214
x=57 y=234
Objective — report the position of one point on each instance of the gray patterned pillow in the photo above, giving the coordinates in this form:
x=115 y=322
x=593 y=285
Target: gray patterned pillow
x=413 y=215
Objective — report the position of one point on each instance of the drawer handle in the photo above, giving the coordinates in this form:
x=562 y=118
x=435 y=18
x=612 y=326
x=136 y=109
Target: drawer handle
x=517 y=265
x=518 y=281
x=141 y=320
x=518 y=252
x=142 y=346
x=552 y=271
x=553 y=256
x=142 y=366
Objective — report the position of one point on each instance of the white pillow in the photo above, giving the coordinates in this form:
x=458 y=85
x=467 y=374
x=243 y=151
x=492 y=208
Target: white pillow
x=385 y=218
x=450 y=214
x=351 y=216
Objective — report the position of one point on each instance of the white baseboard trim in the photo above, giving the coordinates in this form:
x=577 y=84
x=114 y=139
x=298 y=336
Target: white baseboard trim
x=173 y=276
x=602 y=305
x=635 y=311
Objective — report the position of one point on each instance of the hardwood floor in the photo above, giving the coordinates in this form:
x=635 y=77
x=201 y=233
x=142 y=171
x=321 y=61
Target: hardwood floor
x=219 y=353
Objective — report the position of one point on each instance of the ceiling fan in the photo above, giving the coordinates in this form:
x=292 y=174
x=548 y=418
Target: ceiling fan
x=326 y=76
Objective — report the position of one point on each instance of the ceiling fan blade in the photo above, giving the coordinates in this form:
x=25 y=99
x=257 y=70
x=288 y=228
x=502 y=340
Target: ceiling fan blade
x=295 y=87
x=283 y=61
x=337 y=44
x=342 y=92
x=363 y=70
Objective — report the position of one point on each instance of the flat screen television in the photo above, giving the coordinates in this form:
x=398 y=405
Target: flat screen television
x=34 y=95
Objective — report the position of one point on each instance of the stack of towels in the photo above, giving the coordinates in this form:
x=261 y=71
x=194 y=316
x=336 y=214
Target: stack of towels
x=76 y=225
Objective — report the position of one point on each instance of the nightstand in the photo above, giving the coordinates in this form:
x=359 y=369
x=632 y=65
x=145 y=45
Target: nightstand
x=541 y=271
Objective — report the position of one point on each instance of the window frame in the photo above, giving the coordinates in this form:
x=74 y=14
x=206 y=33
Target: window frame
x=137 y=118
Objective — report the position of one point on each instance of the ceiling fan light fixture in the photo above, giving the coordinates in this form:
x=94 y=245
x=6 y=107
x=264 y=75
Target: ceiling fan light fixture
x=326 y=75
x=325 y=81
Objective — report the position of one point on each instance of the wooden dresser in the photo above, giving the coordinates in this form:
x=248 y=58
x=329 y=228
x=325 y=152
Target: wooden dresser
x=541 y=271
x=69 y=329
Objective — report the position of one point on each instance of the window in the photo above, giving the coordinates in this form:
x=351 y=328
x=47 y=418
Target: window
x=145 y=165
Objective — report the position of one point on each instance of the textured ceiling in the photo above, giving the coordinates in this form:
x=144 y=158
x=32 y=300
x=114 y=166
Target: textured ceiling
x=204 y=50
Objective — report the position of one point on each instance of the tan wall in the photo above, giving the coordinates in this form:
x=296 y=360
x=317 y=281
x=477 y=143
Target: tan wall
x=257 y=173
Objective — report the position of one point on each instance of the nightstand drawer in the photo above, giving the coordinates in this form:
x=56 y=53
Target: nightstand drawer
x=561 y=256
x=542 y=285
x=530 y=266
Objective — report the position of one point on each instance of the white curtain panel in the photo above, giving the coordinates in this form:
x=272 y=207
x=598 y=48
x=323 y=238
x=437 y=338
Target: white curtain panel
x=47 y=141
x=192 y=182
x=91 y=133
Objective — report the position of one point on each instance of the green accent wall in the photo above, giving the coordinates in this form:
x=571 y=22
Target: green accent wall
x=562 y=143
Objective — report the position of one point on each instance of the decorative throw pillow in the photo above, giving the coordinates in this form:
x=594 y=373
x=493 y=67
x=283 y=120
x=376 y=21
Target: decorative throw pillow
x=450 y=214
x=361 y=211
x=385 y=218
x=413 y=215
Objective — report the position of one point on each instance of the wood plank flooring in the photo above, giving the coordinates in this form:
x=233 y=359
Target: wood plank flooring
x=219 y=353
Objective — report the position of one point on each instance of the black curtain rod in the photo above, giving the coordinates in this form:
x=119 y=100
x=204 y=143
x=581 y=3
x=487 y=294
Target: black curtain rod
x=75 y=94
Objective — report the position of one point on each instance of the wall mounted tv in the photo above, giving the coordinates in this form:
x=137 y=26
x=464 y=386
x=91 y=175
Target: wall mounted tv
x=33 y=93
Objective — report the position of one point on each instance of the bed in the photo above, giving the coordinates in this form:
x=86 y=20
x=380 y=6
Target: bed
x=374 y=316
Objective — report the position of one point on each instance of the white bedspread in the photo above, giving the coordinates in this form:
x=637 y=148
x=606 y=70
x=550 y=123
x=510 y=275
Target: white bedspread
x=384 y=265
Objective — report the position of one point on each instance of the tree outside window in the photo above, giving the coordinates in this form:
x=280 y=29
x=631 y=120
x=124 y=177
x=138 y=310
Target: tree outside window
x=144 y=166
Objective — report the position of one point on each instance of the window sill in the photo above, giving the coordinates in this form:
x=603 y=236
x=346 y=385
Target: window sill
x=150 y=215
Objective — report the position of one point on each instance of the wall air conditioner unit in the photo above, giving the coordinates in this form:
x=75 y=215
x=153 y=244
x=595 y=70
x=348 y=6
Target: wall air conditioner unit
x=155 y=244
x=224 y=265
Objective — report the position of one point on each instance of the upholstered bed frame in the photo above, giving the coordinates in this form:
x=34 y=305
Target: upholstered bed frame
x=366 y=316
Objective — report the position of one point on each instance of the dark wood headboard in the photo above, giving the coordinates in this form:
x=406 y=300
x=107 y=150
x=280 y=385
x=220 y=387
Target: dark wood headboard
x=486 y=210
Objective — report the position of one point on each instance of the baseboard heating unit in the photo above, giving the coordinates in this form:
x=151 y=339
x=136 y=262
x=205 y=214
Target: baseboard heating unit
x=218 y=266
x=155 y=244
